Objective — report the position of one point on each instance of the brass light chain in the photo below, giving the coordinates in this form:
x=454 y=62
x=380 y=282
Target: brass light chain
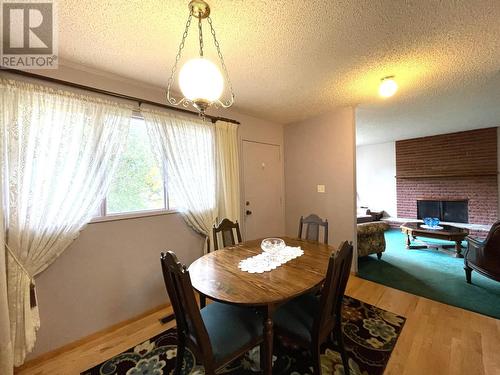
x=200 y=32
x=185 y=102
x=230 y=101
x=174 y=68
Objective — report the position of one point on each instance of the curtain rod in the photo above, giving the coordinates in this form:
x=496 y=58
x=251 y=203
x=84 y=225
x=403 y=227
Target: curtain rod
x=115 y=94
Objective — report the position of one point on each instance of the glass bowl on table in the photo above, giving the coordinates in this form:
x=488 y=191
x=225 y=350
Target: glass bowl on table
x=272 y=247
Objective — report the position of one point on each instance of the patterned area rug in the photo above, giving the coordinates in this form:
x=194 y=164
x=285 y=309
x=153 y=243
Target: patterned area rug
x=370 y=336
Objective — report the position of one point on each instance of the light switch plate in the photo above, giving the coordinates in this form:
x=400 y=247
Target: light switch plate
x=321 y=188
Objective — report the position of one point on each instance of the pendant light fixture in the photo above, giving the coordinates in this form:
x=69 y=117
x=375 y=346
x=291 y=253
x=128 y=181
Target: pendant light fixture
x=200 y=80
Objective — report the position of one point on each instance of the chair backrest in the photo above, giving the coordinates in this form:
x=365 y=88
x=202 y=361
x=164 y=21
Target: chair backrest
x=492 y=242
x=332 y=294
x=313 y=222
x=226 y=227
x=186 y=311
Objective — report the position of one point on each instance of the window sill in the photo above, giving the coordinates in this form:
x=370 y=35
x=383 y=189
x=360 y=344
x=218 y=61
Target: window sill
x=132 y=215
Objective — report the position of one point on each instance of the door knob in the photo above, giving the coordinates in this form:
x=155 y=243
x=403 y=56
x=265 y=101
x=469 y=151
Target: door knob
x=248 y=212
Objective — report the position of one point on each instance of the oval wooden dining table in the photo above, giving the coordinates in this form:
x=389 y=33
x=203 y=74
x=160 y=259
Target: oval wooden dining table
x=216 y=275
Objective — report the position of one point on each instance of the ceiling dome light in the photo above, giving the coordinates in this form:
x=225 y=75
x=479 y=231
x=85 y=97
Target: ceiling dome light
x=388 y=87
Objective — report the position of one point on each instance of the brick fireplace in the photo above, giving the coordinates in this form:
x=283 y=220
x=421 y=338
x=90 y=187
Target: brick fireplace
x=451 y=167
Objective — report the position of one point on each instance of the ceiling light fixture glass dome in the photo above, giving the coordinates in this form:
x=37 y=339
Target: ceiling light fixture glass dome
x=200 y=80
x=388 y=87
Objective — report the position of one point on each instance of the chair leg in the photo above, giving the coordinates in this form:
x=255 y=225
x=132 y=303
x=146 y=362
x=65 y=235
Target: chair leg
x=379 y=255
x=343 y=354
x=316 y=359
x=209 y=369
x=339 y=336
x=468 y=274
x=179 y=359
x=262 y=357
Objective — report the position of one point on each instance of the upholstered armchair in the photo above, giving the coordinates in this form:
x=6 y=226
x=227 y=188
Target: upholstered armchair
x=371 y=238
x=484 y=256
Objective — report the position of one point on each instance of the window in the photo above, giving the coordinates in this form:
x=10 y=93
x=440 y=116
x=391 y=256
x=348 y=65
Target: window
x=138 y=183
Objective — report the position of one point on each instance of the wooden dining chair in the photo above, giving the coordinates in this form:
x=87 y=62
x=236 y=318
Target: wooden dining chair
x=313 y=222
x=216 y=334
x=226 y=227
x=310 y=319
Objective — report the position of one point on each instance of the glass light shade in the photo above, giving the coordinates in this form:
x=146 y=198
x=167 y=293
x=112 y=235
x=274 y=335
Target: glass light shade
x=200 y=79
x=388 y=87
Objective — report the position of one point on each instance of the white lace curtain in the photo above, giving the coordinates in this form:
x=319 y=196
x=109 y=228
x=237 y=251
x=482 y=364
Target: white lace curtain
x=187 y=149
x=228 y=170
x=202 y=164
x=6 y=352
x=58 y=153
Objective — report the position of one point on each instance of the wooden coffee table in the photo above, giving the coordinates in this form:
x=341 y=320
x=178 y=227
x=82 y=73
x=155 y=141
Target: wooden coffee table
x=448 y=233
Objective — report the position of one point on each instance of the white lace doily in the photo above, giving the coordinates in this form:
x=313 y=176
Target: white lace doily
x=269 y=261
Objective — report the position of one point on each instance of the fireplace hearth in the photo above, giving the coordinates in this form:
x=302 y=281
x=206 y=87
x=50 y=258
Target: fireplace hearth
x=454 y=211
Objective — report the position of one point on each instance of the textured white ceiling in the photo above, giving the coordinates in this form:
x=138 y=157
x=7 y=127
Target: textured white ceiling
x=292 y=59
x=464 y=107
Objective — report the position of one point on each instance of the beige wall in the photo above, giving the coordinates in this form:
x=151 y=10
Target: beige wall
x=111 y=272
x=321 y=150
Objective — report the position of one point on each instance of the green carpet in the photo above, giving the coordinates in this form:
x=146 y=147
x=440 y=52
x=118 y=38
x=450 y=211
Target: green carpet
x=432 y=274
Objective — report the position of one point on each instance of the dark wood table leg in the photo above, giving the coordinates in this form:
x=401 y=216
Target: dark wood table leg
x=268 y=342
x=409 y=246
x=203 y=301
x=458 y=249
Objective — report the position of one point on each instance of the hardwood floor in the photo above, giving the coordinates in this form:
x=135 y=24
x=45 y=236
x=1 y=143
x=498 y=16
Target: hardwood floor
x=437 y=338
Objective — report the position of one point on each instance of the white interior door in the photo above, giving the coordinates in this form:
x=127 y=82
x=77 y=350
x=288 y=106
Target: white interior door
x=262 y=190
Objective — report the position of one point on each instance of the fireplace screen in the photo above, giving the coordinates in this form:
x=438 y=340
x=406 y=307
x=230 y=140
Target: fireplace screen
x=451 y=211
